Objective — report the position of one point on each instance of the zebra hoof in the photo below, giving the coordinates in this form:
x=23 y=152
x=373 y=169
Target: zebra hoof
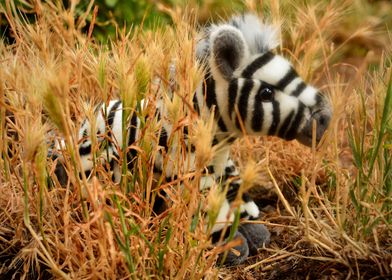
x=239 y=256
x=257 y=236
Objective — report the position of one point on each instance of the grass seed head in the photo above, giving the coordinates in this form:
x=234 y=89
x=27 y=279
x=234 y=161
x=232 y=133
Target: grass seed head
x=142 y=73
x=102 y=73
x=34 y=135
x=55 y=96
x=41 y=163
x=126 y=81
x=215 y=200
x=53 y=106
x=250 y=174
x=174 y=107
x=202 y=139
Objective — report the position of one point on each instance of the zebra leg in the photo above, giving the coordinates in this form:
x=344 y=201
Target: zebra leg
x=254 y=236
x=241 y=253
x=251 y=237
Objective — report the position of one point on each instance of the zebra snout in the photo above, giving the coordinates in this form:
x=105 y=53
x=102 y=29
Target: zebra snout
x=321 y=118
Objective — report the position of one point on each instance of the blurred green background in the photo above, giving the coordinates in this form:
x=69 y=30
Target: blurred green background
x=115 y=15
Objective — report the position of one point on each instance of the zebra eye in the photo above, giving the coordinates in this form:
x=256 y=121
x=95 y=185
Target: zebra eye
x=266 y=93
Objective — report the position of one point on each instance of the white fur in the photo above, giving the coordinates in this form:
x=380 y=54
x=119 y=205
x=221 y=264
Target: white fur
x=287 y=103
x=259 y=36
x=202 y=46
x=206 y=182
x=273 y=71
x=267 y=119
x=117 y=127
x=225 y=218
x=251 y=208
x=308 y=96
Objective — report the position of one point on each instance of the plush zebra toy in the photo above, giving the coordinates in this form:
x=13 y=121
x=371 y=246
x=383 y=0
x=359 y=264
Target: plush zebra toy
x=248 y=89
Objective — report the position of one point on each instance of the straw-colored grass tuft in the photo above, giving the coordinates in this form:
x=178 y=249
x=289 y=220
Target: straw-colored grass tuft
x=328 y=207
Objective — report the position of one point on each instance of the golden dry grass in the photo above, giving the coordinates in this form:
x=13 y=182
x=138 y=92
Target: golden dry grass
x=329 y=209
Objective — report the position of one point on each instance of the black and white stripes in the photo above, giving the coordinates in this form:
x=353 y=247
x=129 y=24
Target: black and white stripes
x=263 y=93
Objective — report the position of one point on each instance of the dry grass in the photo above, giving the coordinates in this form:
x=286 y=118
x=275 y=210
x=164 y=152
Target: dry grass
x=329 y=209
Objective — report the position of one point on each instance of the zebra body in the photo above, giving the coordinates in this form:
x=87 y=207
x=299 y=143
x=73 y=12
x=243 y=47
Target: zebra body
x=248 y=89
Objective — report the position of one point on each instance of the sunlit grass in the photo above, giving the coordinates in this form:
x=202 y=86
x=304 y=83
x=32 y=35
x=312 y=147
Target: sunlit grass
x=331 y=206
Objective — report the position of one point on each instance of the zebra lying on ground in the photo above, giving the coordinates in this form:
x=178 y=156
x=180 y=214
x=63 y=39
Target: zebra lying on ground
x=246 y=87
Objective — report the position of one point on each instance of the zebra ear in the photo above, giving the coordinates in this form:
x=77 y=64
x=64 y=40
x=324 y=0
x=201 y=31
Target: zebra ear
x=228 y=50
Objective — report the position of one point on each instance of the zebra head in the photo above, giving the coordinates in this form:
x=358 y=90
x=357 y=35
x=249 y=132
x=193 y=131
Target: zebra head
x=255 y=90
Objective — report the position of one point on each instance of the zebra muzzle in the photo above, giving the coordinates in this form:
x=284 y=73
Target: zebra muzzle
x=318 y=124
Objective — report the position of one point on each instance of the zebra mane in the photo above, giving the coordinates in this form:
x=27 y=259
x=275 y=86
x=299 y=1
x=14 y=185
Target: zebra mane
x=259 y=37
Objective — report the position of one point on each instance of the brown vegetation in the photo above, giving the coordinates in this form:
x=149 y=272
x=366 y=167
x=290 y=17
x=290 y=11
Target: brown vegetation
x=329 y=209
